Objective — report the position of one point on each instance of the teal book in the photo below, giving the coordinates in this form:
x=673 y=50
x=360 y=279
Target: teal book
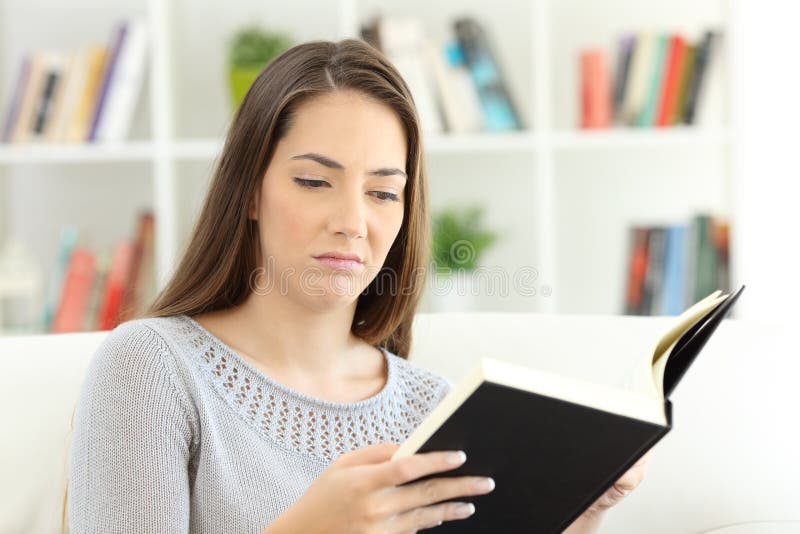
x=69 y=238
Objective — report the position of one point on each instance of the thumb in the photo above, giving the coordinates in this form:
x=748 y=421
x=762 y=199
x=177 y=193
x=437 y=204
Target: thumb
x=371 y=454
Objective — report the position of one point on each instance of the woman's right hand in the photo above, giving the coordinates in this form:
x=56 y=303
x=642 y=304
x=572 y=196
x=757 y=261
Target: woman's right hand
x=361 y=492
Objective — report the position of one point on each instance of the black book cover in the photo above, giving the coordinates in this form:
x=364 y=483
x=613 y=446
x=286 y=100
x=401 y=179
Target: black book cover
x=550 y=458
x=557 y=458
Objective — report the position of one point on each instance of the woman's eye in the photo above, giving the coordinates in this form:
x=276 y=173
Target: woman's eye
x=385 y=195
x=307 y=182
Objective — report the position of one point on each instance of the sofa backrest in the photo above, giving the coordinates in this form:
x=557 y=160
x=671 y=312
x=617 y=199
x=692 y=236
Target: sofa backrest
x=730 y=458
x=39 y=387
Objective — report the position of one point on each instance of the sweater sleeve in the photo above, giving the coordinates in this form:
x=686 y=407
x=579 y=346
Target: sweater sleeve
x=132 y=437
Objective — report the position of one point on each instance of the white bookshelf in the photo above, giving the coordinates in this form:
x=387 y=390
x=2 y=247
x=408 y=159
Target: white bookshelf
x=537 y=185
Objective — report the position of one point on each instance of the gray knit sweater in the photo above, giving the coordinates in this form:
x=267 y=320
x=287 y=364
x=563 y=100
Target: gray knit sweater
x=174 y=432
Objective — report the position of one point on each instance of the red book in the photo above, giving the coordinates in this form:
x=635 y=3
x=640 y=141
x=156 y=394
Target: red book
x=676 y=53
x=596 y=100
x=637 y=270
x=116 y=283
x=136 y=292
x=75 y=295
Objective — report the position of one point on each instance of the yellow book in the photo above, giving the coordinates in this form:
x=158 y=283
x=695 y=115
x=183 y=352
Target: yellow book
x=78 y=128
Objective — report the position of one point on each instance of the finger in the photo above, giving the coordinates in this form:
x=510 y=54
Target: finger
x=431 y=516
x=631 y=478
x=372 y=454
x=434 y=490
x=408 y=468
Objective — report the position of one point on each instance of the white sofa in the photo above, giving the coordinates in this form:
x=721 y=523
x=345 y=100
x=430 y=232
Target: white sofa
x=731 y=458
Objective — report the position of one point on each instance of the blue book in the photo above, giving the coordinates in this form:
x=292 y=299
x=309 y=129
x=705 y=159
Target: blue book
x=674 y=270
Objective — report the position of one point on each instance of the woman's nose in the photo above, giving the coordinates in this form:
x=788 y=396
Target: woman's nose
x=348 y=216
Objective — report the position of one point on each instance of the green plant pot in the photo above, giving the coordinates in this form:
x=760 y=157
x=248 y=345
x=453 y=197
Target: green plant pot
x=241 y=77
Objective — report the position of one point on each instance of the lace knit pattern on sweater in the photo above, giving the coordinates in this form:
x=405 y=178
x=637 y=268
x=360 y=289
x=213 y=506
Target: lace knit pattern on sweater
x=304 y=424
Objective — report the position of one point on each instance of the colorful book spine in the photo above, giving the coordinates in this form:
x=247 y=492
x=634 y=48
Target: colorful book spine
x=623 y=68
x=648 y=113
x=683 y=87
x=45 y=108
x=76 y=294
x=596 y=99
x=15 y=103
x=637 y=268
x=116 y=282
x=674 y=67
x=67 y=243
x=107 y=77
x=499 y=111
x=674 y=271
x=703 y=56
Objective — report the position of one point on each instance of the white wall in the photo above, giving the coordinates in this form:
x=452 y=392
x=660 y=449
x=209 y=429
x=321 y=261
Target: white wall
x=767 y=167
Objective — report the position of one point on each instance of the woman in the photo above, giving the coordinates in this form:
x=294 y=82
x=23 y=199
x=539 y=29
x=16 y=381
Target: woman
x=268 y=387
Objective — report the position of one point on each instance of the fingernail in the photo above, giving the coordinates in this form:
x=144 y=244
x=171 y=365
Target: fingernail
x=456 y=458
x=487 y=484
x=465 y=509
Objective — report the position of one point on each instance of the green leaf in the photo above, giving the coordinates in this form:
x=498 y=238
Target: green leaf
x=459 y=238
x=254 y=45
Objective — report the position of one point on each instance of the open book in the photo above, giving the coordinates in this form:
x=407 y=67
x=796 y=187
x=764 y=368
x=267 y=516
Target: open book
x=555 y=444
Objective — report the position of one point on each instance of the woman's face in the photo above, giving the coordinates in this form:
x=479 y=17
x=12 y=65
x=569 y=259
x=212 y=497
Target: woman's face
x=334 y=187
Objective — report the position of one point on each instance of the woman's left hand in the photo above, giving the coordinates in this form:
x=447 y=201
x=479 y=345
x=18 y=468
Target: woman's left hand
x=589 y=521
x=622 y=487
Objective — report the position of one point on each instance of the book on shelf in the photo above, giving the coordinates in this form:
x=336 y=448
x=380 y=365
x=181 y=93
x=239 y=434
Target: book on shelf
x=98 y=290
x=402 y=40
x=668 y=99
x=554 y=444
x=670 y=265
x=596 y=94
x=696 y=85
x=67 y=243
x=654 y=78
x=658 y=80
x=86 y=95
x=457 y=83
x=499 y=109
x=77 y=292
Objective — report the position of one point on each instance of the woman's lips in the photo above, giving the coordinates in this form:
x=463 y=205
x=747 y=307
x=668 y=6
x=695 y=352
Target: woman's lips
x=339 y=264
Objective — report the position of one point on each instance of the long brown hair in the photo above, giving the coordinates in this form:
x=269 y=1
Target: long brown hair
x=221 y=255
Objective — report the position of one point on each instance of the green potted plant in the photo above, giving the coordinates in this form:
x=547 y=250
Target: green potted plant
x=459 y=238
x=251 y=49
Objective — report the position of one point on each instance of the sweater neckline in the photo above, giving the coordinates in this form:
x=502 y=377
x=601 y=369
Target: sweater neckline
x=299 y=396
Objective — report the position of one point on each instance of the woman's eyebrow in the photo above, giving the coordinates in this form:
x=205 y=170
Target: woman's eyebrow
x=328 y=162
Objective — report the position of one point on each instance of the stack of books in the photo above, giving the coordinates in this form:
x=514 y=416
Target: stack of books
x=458 y=86
x=658 y=81
x=74 y=97
x=96 y=291
x=672 y=265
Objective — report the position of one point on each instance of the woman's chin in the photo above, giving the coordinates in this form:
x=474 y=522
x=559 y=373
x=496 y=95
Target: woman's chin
x=333 y=296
